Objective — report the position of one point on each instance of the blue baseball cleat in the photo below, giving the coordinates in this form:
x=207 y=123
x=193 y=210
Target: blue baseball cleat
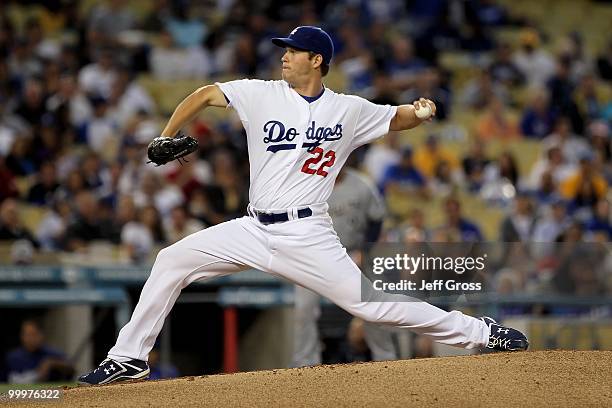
x=503 y=338
x=110 y=371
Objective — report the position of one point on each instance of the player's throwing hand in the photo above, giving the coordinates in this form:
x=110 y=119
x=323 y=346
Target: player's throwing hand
x=425 y=109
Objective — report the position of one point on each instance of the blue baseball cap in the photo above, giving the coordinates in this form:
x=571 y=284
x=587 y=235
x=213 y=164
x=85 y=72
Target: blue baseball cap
x=309 y=38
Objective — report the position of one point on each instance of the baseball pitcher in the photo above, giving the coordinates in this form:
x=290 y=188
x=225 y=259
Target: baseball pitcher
x=299 y=135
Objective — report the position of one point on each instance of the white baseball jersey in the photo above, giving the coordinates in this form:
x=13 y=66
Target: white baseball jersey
x=297 y=148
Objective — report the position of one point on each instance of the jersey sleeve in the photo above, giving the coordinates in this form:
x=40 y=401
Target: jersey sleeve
x=373 y=121
x=239 y=95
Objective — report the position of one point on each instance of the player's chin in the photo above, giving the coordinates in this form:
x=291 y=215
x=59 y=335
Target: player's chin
x=286 y=75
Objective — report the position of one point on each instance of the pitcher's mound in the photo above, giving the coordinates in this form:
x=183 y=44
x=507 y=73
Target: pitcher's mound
x=527 y=379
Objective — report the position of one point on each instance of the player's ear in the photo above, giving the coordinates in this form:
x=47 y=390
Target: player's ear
x=317 y=61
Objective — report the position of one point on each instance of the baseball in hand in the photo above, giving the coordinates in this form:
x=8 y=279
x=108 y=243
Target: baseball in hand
x=424 y=112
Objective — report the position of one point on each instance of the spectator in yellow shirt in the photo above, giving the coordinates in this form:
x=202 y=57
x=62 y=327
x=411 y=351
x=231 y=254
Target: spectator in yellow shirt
x=429 y=156
x=586 y=174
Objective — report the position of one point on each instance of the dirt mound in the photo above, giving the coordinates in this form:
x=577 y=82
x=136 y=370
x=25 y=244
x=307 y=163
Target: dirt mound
x=542 y=378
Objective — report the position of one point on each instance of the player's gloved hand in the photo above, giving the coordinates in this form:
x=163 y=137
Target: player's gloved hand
x=164 y=149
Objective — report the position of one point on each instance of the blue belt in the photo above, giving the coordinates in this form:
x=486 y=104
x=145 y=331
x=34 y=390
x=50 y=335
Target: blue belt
x=273 y=218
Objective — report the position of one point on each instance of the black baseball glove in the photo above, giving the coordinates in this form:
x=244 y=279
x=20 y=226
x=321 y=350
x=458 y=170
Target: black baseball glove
x=164 y=149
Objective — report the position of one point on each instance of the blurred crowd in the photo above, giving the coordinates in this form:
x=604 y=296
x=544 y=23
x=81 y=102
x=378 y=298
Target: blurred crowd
x=75 y=119
x=34 y=361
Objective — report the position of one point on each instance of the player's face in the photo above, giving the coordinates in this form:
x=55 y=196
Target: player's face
x=296 y=65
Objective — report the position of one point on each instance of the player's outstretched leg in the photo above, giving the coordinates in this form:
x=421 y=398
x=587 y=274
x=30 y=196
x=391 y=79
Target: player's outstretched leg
x=225 y=248
x=310 y=255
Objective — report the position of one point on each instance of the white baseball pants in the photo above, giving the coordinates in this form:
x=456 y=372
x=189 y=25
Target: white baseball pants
x=305 y=251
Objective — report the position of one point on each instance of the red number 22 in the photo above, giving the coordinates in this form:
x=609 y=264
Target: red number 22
x=318 y=155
